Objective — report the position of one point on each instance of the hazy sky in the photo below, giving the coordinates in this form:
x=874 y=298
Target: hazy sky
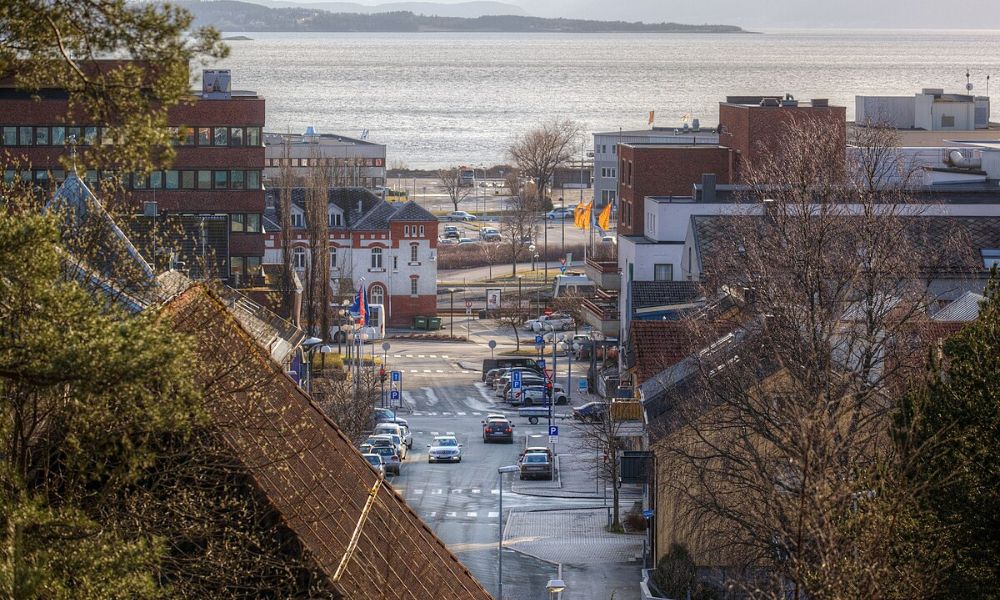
x=931 y=14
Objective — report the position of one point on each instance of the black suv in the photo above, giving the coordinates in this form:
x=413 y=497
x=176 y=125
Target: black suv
x=498 y=429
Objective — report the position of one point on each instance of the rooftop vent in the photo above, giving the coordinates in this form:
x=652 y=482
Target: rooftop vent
x=820 y=102
x=790 y=101
x=695 y=125
x=770 y=102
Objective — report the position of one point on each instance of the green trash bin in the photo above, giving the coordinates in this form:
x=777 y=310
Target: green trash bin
x=420 y=322
x=434 y=323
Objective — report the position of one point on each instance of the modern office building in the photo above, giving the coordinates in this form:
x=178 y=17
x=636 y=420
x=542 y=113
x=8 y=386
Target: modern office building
x=212 y=195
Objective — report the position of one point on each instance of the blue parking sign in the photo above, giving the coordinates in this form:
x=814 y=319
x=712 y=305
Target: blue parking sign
x=553 y=430
x=394 y=395
x=539 y=340
x=541 y=363
x=515 y=380
x=397 y=376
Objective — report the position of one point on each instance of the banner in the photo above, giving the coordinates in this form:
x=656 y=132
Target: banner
x=493 y=298
x=604 y=220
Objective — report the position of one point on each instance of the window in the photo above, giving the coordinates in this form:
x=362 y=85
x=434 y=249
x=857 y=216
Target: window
x=608 y=196
x=253 y=223
x=395 y=262
x=376 y=295
x=333 y=257
x=187 y=180
x=236 y=180
x=609 y=172
x=336 y=219
x=220 y=179
x=253 y=265
x=406 y=231
x=421 y=231
x=10 y=136
x=204 y=136
x=25 y=136
x=253 y=180
x=413 y=253
x=236 y=136
x=89 y=136
x=376 y=258
x=73 y=135
x=188 y=136
x=947 y=121
x=663 y=272
x=156 y=180
x=237 y=223
x=413 y=286
x=298 y=220
x=139 y=181
x=991 y=257
x=221 y=136
x=173 y=180
x=236 y=268
x=58 y=135
x=41 y=136
x=204 y=180
x=253 y=136
x=299 y=259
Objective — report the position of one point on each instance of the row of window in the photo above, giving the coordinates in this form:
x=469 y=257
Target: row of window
x=92 y=135
x=185 y=179
x=413 y=231
x=608 y=196
x=245 y=223
x=299 y=257
x=243 y=268
x=325 y=162
x=609 y=172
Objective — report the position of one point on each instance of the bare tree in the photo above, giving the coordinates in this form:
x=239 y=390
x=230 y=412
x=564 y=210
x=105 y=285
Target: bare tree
x=491 y=254
x=539 y=152
x=513 y=314
x=451 y=181
x=520 y=218
x=318 y=276
x=602 y=437
x=776 y=433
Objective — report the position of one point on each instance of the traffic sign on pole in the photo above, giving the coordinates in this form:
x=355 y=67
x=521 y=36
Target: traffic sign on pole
x=553 y=430
x=539 y=340
x=397 y=376
x=468 y=304
x=394 y=395
x=515 y=380
x=541 y=363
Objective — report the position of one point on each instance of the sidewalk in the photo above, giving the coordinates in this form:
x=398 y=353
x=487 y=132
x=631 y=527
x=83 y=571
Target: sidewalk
x=559 y=536
x=576 y=478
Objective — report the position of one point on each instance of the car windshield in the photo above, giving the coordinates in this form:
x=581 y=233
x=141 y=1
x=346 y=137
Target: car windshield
x=374 y=460
x=383 y=451
x=536 y=457
x=446 y=442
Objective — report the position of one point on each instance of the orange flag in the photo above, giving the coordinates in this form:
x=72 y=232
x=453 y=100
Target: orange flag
x=604 y=219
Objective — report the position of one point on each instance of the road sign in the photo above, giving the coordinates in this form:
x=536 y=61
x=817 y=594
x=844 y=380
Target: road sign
x=548 y=374
x=553 y=430
x=397 y=376
x=492 y=344
x=548 y=311
x=357 y=338
x=468 y=304
x=468 y=311
x=562 y=269
x=394 y=395
x=541 y=363
x=515 y=380
x=539 y=340
x=562 y=261
x=581 y=386
x=648 y=513
x=553 y=439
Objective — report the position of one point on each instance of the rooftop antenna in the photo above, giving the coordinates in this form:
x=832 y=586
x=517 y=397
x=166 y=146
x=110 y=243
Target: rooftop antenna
x=72 y=153
x=968 y=83
x=987 y=86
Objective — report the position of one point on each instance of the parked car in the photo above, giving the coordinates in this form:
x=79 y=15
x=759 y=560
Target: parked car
x=494 y=374
x=375 y=461
x=498 y=429
x=451 y=231
x=443 y=241
x=465 y=241
x=504 y=379
x=490 y=234
x=526 y=382
x=396 y=428
x=389 y=439
x=537 y=450
x=444 y=448
x=559 y=213
x=537 y=395
x=460 y=215
x=573 y=342
x=609 y=239
x=555 y=321
x=390 y=459
x=591 y=411
x=536 y=466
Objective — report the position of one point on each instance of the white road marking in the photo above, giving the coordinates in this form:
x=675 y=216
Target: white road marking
x=427 y=370
x=432 y=414
x=418 y=491
x=421 y=356
x=476 y=491
x=444 y=356
x=432 y=398
x=437 y=492
x=473 y=414
x=397 y=356
x=432 y=356
x=438 y=371
x=471 y=514
x=445 y=413
x=495 y=492
x=435 y=433
x=451 y=514
x=461 y=414
x=432 y=514
x=456 y=491
x=449 y=433
x=408 y=355
x=414 y=371
x=494 y=515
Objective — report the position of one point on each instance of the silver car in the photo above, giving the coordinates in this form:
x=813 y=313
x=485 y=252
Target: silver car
x=444 y=448
x=376 y=462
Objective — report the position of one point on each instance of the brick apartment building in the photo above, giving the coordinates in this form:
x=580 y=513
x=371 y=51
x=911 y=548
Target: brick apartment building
x=213 y=191
x=750 y=129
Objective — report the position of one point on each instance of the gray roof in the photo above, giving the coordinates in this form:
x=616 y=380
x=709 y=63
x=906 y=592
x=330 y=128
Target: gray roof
x=355 y=202
x=411 y=211
x=377 y=218
x=647 y=294
x=962 y=310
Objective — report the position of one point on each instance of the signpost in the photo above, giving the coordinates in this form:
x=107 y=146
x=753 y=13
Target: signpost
x=515 y=380
x=397 y=377
x=539 y=340
x=541 y=363
x=492 y=345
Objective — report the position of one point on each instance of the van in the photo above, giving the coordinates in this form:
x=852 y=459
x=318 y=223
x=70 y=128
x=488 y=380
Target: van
x=573 y=285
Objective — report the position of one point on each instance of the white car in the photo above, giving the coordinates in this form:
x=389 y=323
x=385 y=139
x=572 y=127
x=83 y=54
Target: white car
x=397 y=428
x=555 y=321
x=444 y=448
x=460 y=215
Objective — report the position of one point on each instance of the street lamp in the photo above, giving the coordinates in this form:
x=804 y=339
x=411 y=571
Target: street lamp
x=501 y=471
x=385 y=361
x=562 y=216
x=531 y=250
x=451 y=292
x=556 y=586
x=308 y=345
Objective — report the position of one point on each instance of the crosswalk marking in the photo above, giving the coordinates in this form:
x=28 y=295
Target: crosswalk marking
x=451 y=514
x=461 y=414
x=471 y=514
x=418 y=491
x=476 y=491
x=494 y=515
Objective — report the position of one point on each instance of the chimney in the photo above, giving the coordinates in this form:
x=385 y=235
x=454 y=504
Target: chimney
x=708 y=187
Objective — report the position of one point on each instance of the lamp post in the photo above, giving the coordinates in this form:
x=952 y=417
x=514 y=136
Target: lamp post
x=385 y=361
x=531 y=250
x=562 y=215
x=308 y=345
x=501 y=471
x=556 y=586
x=451 y=325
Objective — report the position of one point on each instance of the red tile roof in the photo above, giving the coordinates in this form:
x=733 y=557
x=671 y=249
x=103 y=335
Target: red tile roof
x=310 y=472
x=657 y=345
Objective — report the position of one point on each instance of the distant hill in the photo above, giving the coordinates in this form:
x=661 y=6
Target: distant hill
x=467 y=10
x=232 y=15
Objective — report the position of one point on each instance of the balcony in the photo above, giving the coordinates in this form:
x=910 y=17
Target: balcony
x=603 y=270
x=601 y=313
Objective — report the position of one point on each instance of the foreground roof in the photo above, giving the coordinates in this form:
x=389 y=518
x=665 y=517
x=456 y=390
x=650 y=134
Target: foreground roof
x=310 y=472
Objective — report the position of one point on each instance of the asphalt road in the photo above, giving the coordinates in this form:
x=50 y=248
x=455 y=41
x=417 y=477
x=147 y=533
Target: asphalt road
x=460 y=501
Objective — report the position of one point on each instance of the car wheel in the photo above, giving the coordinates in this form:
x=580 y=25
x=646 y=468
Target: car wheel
x=459 y=459
x=533 y=420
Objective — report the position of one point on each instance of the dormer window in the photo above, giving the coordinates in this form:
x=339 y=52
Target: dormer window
x=991 y=257
x=335 y=218
x=298 y=220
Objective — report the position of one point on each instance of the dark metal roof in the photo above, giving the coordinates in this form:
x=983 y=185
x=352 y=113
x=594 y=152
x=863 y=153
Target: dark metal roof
x=964 y=309
x=354 y=202
x=411 y=211
x=647 y=294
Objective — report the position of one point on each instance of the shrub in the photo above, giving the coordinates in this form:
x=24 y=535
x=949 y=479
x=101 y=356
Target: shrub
x=634 y=521
x=675 y=572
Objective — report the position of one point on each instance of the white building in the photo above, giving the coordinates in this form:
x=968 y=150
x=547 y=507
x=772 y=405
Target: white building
x=352 y=162
x=930 y=110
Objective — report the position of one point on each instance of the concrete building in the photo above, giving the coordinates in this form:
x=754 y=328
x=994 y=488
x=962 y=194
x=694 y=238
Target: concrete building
x=352 y=162
x=389 y=247
x=213 y=189
x=606 y=152
x=929 y=110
